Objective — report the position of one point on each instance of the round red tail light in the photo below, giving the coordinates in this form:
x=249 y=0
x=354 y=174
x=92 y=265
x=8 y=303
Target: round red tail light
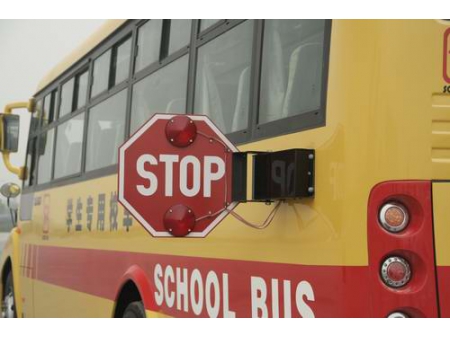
x=395 y=272
x=398 y=314
x=394 y=217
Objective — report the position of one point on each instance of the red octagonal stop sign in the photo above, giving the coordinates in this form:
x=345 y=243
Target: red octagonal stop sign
x=175 y=175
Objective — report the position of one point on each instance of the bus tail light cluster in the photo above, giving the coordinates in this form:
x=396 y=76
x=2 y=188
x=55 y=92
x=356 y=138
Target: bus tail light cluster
x=395 y=272
x=394 y=217
x=398 y=315
x=401 y=250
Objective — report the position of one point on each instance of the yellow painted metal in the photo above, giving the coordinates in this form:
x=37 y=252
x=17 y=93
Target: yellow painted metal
x=74 y=304
x=30 y=105
x=386 y=119
x=441 y=215
x=154 y=314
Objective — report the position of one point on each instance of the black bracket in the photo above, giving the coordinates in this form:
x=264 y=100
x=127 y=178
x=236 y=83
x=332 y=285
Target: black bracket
x=279 y=175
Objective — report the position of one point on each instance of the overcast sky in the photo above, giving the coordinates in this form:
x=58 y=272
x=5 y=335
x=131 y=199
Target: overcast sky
x=29 y=49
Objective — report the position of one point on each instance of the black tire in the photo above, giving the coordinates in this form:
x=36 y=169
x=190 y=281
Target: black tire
x=134 y=310
x=8 y=301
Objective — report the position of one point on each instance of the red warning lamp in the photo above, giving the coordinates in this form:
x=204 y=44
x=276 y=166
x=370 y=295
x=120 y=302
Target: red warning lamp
x=179 y=220
x=395 y=272
x=181 y=131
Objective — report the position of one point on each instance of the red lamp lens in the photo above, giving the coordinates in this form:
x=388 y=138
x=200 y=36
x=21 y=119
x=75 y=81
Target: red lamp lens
x=181 y=131
x=179 y=220
x=396 y=271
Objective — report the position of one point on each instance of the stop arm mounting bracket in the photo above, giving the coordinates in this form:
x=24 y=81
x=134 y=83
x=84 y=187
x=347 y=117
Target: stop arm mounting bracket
x=278 y=175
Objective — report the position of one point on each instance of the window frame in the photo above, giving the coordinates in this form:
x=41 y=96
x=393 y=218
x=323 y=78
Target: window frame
x=76 y=89
x=92 y=78
x=113 y=63
x=198 y=38
x=217 y=30
x=53 y=106
x=86 y=133
x=162 y=47
x=80 y=172
x=53 y=155
x=166 y=31
x=296 y=123
x=71 y=78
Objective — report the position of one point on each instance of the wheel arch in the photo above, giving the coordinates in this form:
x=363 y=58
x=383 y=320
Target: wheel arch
x=134 y=286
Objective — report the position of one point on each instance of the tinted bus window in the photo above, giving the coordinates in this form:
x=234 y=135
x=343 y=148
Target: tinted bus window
x=161 y=92
x=49 y=108
x=180 y=33
x=36 y=117
x=66 y=98
x=122 y=61
x=106 y=131
x=31 y=161
x=149 y=43
x=81 y=89
x=292 y=60
x=223 y=78
x=45 y=163
x=101 y=74
x=69 y=141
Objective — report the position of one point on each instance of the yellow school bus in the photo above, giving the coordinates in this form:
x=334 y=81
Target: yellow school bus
x=371 y=98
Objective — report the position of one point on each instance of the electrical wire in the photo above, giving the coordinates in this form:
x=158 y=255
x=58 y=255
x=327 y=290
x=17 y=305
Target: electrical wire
x=261 y=226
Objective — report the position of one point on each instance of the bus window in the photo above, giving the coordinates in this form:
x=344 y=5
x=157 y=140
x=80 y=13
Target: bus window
x=45 y=162
x=206 y=23
x=291 y=72
x=106 y=129
x=180 y=33
x=149 y=44
x=36 y=117
x=66 y=104
x=69 y=140
x=81 y=84
x=122 y=57
x=49 y=108
x=31 y=161
x=101 y=74
x=163 y=91
x=223 y=78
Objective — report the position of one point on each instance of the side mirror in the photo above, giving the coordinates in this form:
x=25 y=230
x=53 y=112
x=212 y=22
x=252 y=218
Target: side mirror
x=9 y=134
x=10 y=131
x=10 y=190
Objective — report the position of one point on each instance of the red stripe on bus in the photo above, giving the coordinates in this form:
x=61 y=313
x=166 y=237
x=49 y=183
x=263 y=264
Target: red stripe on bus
x=339 y=291
x=443 y=281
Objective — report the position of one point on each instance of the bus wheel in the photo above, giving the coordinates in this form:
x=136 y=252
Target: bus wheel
x=8 y=304
x=134 y=310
